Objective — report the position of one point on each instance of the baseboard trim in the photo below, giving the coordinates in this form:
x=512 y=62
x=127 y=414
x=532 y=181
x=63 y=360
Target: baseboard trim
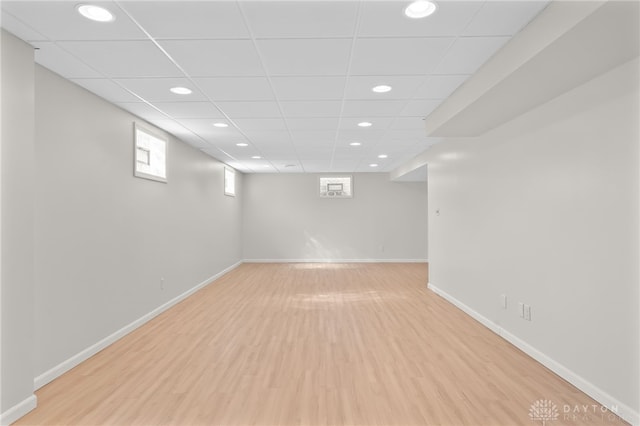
x=336 y=260
x=624 y=411
x=18 y=410
x=70 y=363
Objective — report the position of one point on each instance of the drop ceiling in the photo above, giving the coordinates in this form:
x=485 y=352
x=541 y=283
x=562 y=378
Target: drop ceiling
x=292 y=79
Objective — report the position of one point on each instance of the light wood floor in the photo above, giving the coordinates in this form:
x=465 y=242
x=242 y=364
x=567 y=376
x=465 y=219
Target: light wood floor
x=310 y=344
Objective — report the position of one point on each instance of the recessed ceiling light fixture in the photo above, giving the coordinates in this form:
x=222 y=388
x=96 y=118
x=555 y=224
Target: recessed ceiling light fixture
x=383 y=88
x=373 y=165
x=256 y=157
x=365 y=124
x=382 y=156
x=220 y=125
x=420 y=9
x=95 y=13
x=355 y=144
x=180 y=90
x=242 y=144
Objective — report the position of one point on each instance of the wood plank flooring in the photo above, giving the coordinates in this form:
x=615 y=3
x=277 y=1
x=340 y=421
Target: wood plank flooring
x=311 y=344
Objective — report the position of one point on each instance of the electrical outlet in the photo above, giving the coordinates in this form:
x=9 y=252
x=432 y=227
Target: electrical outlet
x=503 y=301
x=527 y=312
x=161 y=283
x=521 y=309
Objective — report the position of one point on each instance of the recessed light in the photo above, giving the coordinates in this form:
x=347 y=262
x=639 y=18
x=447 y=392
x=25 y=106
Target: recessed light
x=256 y=157
x=382 y=156
x=180 y=90
x=355 y=144
x=242 y=144
x=420 y=9
x=365 y=124
x=95 y=13
x=383 y=88
x=289 y=165
x=220 y=124
x=373 y=165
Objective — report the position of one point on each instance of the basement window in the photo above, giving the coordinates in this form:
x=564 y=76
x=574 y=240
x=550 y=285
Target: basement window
x=229 y=182
x=150 y=154
x=336 y=186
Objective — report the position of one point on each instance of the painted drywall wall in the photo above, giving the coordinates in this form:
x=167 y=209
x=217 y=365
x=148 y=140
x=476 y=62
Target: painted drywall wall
x=17 y=228
x=544 y=209
x=285 y=219
x=104 y=239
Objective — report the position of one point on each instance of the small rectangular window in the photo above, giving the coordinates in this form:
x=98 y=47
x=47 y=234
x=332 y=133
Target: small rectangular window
x=150 y=154
x=229 y=182
x=336 y=187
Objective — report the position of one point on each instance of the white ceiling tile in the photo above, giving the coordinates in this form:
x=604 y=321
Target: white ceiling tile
x=372 y=108
x=142 y=110
x=211 y=58
x=59 y=20
x=316 y=166
x=312 y=137
x=260 y=123
x=387 y=18
x=106 y=89
x=409 y=123
x=440 y=86
x=324 y=123
x=348 y=135
x=173 y=127
x=402 y=87
x=288 y=166
x=308 y=88
x=205 y=128
x=378 y=123
x=123 y=59
x=316 y=57
x=347 y=153
x=194 y=140
x=344 y=165
x=189 y=109
x=236 y=88
x=188 y=19
x=269 y=137
x=398 y=56
x=314 y=152
x=157 y=89
x=253 y=109
x=311 y=108
x=19 y=28
x=419 y=107
x=51 y=56
x=503 y=17
x=298 y=19
x=468 y=53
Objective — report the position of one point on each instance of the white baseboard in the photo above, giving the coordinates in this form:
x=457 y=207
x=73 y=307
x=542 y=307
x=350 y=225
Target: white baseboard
x=67 y=365
x=18 y=410
x=624 y=411
x=335 y=261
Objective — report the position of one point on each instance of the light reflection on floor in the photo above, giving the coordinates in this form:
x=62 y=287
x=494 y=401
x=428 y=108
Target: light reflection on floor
x=324 y=265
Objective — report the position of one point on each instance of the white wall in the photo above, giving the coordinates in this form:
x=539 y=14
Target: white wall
x=103 y=238
x=16 y=375
x=285 y=219
x=544 y=209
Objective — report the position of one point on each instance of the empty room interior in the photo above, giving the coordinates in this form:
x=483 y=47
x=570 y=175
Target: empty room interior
x=314 y=212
